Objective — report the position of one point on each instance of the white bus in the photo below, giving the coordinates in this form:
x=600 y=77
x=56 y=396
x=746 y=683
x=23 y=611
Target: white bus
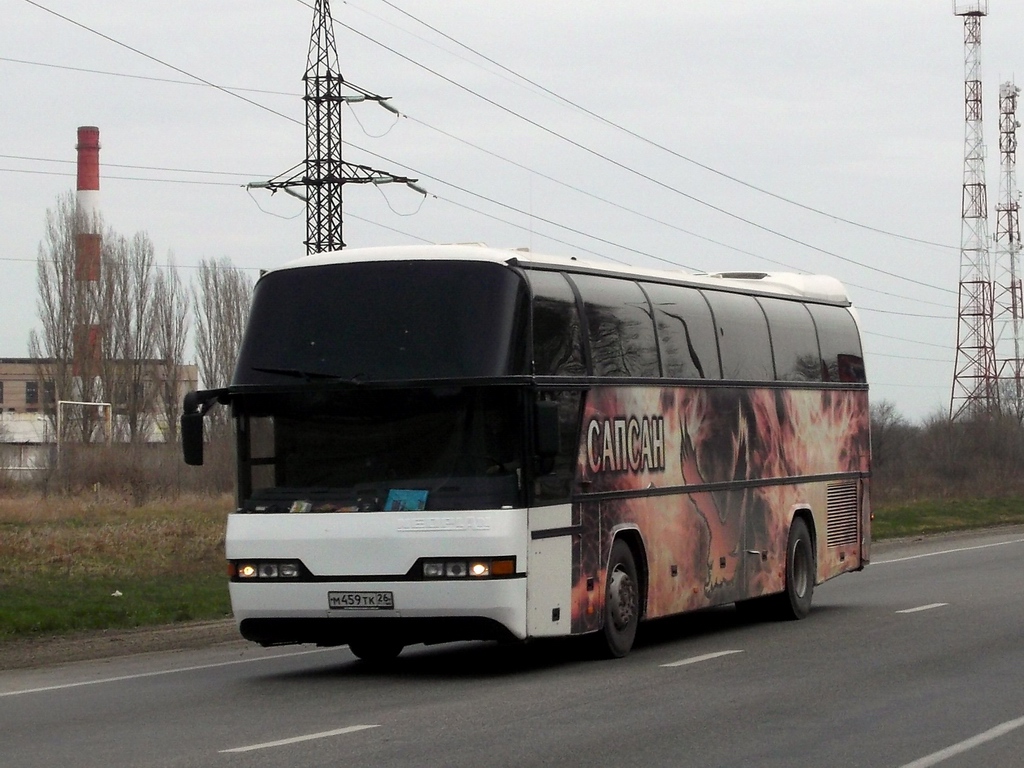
x=455 y=442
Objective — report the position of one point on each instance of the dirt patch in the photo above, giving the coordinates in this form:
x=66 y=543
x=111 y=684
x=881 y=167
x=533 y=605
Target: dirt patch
x=44 y=651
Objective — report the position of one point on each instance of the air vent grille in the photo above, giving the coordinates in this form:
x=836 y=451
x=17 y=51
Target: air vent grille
x=842 y=523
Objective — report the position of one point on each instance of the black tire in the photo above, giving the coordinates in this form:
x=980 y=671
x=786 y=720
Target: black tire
x=621 y=602
x=376 y=650
x=795 y=602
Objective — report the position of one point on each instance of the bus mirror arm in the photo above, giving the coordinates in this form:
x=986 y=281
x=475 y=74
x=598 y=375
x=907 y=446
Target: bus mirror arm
x=194 y=408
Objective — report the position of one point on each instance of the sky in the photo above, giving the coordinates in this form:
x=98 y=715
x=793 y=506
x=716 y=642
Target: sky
x=702 y=135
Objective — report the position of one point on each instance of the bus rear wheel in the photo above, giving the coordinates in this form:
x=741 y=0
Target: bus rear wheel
x=376 y=651
x=795 y=601
x=621 y=601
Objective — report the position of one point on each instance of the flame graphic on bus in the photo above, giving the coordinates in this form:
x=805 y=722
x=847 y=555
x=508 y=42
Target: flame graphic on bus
x=714 y=518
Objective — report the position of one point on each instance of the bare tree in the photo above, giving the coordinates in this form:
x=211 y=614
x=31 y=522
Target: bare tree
x=127 y=323
x=222 y=298
x=67 y=347
x=170 y=335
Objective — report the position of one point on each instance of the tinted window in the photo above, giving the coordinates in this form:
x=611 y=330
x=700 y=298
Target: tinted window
x=619 y=326
x=794 y=342
x=841 y=355
x=385 y=321
x=350 y=448
x=685 y=331
x=555 y=486
x=742 y=337
x=557 y=338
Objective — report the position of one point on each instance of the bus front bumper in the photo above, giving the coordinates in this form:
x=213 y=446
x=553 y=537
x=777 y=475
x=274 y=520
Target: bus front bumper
x=423 y=612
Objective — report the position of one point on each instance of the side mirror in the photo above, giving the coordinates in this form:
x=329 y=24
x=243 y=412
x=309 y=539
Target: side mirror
x=546 y=438
x=195 y=406
x=192 y=438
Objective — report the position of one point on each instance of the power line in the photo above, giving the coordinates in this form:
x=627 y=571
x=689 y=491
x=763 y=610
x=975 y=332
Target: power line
x=634 y=171
x=909 y=341
x=509 y=111
x=671 y=262
x=161 y=62
x=863 y=308
x=168 y=80
x=16 y=260
x=648 y=217
x=663 y=148
x=125 y=178
x=909 y=357
x=124 y=165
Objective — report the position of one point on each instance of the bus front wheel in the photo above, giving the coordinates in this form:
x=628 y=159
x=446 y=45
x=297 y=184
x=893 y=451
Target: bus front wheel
x=376 y=651
x=621 y=601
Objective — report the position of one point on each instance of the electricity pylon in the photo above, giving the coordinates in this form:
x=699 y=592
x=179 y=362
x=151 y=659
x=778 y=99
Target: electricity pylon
x=324 y=173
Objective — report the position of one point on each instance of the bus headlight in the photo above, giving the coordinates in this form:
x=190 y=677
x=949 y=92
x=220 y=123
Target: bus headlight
x=268 y=570
x=455 y=569
x=433 y=570
x=473 y=568
x=245 y=570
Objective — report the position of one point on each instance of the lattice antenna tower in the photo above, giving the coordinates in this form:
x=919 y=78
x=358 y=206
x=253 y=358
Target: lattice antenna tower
x=975 y=385
x=324 y=172
x=1008 y=316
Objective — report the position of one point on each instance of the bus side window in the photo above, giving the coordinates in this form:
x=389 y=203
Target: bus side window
x=841 y=356
x=743 y=339
x=622 y=340
x=686 y=332
x=557 y=335
x=794 y=342
x=555 y=486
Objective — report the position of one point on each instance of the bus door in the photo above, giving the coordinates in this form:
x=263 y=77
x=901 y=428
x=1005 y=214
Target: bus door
x=588 y=563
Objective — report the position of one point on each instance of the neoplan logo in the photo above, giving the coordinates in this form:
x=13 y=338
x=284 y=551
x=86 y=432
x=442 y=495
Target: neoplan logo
x=446 y=523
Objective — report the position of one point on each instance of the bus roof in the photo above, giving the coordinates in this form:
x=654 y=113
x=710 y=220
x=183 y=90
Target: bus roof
x=810 y=287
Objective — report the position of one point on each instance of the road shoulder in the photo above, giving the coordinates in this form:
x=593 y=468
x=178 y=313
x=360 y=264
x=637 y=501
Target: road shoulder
x=25 y=653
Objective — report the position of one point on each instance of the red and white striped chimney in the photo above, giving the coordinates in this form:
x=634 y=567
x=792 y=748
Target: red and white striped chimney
x=88 y=171
x=88 y=245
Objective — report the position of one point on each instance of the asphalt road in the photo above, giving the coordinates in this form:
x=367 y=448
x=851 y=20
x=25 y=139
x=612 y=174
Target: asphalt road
x=917 y=661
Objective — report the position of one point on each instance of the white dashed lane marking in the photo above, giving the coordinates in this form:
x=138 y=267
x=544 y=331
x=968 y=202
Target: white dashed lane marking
x=698 y=659
x=299 y=739
x=920 y=608
x=967 y=744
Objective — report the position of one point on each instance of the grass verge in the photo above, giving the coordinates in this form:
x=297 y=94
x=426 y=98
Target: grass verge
x=62 y=605
x=69 y=565
x=943 y=516
x=73 y=565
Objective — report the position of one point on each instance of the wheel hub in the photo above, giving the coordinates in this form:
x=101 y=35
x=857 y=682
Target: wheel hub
x=622 y=598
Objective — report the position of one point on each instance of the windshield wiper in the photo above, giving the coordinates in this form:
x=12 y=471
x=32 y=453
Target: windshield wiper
x=297 y=373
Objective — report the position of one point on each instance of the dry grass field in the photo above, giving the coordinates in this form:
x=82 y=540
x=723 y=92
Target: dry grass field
x=96 y=561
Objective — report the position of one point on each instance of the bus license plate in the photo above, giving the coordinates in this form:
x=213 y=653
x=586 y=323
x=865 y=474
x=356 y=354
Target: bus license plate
x=361 y=601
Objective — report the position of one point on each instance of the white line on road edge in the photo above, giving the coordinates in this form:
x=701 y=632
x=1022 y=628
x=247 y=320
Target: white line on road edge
x=946 y=552
x=141 y=675
x=698 y=659
x=956 y=749
x=923 y=608
x=297 y=739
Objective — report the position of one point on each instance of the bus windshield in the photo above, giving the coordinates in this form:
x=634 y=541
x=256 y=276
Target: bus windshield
x=385 y=321
x=377 y=449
